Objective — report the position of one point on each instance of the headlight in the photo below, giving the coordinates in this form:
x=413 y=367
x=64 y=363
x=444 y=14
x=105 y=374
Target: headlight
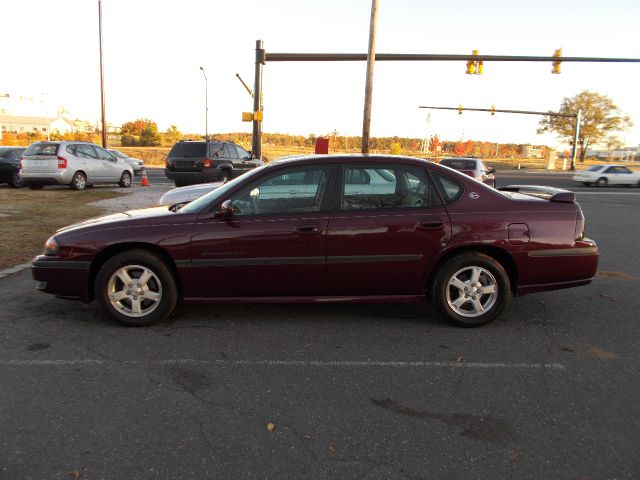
x=51 y=247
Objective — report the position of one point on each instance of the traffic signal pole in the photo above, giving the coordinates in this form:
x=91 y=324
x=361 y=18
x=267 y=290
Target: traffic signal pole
x=262 y=57
x=576 y=128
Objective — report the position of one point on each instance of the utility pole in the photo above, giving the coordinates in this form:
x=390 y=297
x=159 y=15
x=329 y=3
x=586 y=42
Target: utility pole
x=368 y=91
x=256 y=147
x=206 y=105
x=576 y=133
x=104 y=124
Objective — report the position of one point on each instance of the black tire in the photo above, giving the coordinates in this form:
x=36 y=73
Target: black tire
x=35 y=186
x=155 y=298
x=179 y=183
x=16 y=181
x=79 y=181
x=459 y=305
x=586 y=184
x=125 y=180
x=602 y=182
x=225 y=176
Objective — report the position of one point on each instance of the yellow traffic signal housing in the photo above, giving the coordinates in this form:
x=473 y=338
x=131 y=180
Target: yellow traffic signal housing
x=555 y=66
x=480 y=67
x=493 y=109
x=471 y=67
x=247 y=116
x=460 y=109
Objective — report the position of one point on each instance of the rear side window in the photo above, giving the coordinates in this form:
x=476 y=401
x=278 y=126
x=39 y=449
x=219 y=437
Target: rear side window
x=450 y=189
x=72 y=149
x=42 y=149
x=216 y=150
x=86 y=151
x=188 y=149
x=595 y=168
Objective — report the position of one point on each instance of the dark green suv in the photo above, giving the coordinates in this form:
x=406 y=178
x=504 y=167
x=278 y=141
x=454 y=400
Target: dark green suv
x=191 y=162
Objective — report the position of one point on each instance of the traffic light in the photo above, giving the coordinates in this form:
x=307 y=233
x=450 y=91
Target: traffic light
x=460 y=109
x=556 y=64
x=493 y=109
x=480 y=68
x=471 y=67
x=475 y=66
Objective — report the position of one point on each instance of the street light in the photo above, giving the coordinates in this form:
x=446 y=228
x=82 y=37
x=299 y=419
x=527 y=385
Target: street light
x=206 y=105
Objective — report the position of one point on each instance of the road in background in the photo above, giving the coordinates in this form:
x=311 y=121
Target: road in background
x=550 y=390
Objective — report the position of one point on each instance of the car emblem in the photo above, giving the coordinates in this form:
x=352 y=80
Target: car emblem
x=474 y=196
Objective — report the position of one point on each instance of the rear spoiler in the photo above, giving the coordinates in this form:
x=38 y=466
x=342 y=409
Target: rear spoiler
x=548 y=193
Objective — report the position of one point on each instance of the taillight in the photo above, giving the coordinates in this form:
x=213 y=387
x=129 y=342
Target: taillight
x=62 y=162
x=20 y=165
x=206 y=163
x=579 y=225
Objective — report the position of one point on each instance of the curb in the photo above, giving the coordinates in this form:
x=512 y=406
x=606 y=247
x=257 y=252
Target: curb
x=16 y=269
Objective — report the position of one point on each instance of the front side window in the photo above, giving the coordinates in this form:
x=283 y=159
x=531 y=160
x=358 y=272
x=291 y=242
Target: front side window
x=242 y=153
x=292 y=190
x=386 y=187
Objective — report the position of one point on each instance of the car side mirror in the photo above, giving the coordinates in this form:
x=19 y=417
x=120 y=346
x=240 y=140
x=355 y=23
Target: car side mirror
x=491 y=170
x=226 y=210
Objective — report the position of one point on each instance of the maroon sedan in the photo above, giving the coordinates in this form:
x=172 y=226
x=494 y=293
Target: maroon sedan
x=328 y=229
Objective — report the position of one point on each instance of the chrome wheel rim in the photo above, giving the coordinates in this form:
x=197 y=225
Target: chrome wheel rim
x=126 y=179
x=472 y=291
x=134 y=291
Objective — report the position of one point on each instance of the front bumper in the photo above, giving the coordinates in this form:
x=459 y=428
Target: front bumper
x=63 y=278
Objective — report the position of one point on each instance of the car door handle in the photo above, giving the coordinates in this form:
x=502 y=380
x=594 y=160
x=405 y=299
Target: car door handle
x=307 y=229
x=433 y=225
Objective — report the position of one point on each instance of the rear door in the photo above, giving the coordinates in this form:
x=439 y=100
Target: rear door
x=382 y=242
x=89 y=162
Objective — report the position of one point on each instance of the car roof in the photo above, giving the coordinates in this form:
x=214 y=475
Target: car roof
x=349 y=158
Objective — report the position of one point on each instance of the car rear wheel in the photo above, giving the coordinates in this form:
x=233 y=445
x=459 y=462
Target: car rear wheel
x=125 y=180
x=136 y=288
x=16 y=181
x=602 y=182
x=225 y=176
x=79 y=181
x=471 y=290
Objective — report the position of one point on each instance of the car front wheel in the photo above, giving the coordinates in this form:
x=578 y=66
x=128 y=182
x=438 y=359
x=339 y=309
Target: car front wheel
x=471 y=290
x=602 y=182
x=136 y=288
x=125 y=180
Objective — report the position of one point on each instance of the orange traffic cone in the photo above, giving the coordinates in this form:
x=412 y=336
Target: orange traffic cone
x=144 y=181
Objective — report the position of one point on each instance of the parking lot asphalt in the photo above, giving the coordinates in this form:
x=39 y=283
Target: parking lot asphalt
x=550 y=390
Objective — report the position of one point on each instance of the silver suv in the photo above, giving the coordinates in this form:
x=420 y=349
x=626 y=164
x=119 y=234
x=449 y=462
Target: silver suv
x=77 y=164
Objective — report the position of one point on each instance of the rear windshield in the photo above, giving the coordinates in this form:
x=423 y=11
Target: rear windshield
x=188 y=149
x=595 y=168
x=459 y=164
x=42 y=149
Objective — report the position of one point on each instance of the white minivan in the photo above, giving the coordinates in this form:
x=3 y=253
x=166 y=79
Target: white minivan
x=77 y=164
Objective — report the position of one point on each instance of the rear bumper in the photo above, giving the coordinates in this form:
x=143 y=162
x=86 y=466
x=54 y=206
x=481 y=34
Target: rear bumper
x=204 y=176
x=63 y=278
x=53 y=178
x=556 y=269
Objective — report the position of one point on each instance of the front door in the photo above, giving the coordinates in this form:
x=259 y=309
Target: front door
x=381 y=242
x=274 y=243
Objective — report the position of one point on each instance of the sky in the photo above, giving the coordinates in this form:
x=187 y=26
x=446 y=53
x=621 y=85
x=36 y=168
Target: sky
x=153 y=51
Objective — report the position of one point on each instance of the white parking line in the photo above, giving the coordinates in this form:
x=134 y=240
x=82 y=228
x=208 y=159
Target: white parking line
x=16 y=269
x=287 y=363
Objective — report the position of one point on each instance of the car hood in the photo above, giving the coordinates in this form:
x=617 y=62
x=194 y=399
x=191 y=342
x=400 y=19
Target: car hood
x=140 y=214
x=188 y=193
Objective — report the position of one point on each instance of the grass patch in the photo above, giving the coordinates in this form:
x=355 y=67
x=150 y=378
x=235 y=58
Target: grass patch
x=29 y=217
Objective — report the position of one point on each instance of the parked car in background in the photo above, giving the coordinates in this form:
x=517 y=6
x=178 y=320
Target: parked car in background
x=191 y=162
x=136 y=163
x=603 y=175
x=187 y=194
x=77 y=164
x=10 y=166
x=302 y=230
x=474 y=167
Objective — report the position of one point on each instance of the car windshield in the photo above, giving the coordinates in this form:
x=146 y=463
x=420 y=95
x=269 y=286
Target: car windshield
x=188 y=149
x=199 y=203
x=42 y=149
x=595 y=168
x=118 y=154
